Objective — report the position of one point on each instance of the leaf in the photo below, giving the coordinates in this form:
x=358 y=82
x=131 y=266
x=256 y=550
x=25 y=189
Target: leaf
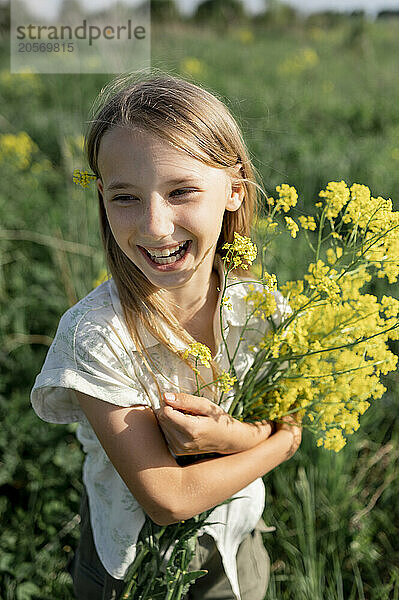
x=26 y=590
x=192 y=576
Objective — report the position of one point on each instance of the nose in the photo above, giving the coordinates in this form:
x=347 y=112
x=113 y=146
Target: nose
x=157 y=218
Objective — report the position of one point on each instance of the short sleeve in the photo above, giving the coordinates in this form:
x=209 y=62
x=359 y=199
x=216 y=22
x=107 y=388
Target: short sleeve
x=89 y=355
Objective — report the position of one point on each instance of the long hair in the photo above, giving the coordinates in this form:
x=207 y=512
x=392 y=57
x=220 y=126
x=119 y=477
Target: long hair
x=196 y=122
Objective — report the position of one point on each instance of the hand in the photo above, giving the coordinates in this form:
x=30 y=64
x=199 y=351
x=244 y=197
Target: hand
x=291 y=425
x=196 y=425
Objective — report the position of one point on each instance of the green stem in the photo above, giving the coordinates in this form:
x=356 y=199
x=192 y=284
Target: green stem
x=227 y=271
x=132 y=573
x=321 y=226
x=245 y=328
x=153 y=570
x=363 y=252
x=334 y=373
x=309 y=242
x=349 y=345
x=196 y=376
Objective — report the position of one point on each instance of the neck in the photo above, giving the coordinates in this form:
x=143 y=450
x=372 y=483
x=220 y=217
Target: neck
x=197 y=302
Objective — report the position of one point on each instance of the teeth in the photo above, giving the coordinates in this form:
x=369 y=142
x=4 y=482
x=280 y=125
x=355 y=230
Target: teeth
x=164 y=253
x=167 y=260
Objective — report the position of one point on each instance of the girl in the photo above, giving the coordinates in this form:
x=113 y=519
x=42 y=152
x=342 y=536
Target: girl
x=174 y=182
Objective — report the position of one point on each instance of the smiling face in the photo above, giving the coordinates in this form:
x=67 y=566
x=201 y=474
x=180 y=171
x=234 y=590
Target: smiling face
x=165 y=208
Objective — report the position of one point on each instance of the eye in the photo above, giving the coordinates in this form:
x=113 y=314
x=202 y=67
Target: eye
x=126 y=198
x=184 y=191
x=123 y=199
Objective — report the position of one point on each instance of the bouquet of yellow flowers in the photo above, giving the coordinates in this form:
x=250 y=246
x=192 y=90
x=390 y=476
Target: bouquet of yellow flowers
x=321 y=363
x=324 y=361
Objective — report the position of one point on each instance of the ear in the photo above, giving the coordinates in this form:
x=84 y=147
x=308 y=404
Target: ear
x=237 y=193
x=234 y=201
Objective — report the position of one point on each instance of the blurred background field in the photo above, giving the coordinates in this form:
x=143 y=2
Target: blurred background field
x=317 y=99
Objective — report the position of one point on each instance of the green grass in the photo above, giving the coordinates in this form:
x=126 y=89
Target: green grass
x=336 y=516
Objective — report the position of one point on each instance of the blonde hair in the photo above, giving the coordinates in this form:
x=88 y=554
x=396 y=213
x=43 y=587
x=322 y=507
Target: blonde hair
x=196 y=122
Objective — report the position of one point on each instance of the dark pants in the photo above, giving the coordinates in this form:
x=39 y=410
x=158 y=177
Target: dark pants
x=92 y=582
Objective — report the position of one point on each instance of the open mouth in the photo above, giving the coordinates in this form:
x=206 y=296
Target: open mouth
x=166 y=257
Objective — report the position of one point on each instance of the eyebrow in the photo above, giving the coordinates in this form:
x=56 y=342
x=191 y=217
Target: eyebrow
x=119 y=185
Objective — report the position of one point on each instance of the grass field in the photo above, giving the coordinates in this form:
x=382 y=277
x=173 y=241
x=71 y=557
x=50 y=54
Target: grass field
x=315 y=105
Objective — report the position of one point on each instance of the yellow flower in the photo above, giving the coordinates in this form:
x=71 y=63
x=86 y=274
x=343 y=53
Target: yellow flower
x=82 y=178
x=307 y=222
x=306 y=58
x=310 y=57
x=390 y=306
x=322 y=279
x=293 y=291
x=368 y=212
x=288 y=197
x=271 y=341
x=291 y=226
x=200 y=352
x=360 y=208
x=192 y=65
x=20 y=84
x=270 y=281
x=264 y=225
x=245 y=36
x=379 y=226
x=263 y=303
x=333 y=254
x=336 y=196
x=325 y=361
x=225 y=302
x=271 y=225
x=241 y=251
x=333 y=440
x=225 y=381
x=17 y=148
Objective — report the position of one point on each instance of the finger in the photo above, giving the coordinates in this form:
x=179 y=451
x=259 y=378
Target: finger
x=268 y=427
x=265 y=423
x=194 y=405
x=179 y=440
x=290 y=420
x=180 y=421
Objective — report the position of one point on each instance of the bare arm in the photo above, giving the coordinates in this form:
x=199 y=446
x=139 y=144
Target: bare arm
x=167 y=492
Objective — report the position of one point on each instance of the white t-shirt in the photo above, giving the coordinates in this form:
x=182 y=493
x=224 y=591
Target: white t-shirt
x=93 y=352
